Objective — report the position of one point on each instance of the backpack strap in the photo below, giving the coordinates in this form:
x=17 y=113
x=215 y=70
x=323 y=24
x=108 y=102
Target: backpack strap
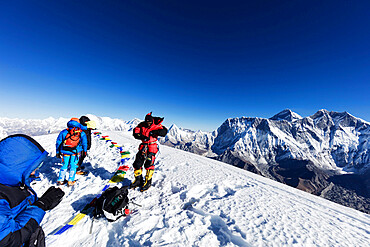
x=72 y=133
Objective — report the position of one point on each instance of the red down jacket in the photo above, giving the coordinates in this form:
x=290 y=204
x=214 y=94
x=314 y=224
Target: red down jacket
x=148 y=134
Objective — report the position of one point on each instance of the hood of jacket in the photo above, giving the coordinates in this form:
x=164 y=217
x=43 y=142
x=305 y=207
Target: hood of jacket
x=19 y=156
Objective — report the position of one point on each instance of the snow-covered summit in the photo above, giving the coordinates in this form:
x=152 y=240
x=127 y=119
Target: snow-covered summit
x=324 y=118
x=287 y=115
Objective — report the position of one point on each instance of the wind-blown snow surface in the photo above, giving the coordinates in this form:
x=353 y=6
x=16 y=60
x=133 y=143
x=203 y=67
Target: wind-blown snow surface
x=196 y=201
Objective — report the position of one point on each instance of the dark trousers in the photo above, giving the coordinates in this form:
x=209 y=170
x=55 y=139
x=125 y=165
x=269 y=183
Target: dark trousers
x=145 y=156
x=81 y=159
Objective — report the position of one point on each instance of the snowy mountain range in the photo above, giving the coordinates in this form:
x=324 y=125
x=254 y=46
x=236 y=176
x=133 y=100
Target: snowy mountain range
x=35 y=127
x=326 y=154
x=330 y=140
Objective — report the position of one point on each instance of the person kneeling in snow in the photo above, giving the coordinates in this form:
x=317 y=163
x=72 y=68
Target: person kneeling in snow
x=148 y=132
x=21 y=212
x=68 y=144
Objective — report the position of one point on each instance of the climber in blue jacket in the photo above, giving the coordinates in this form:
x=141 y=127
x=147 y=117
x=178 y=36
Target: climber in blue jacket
x=21 y=211
x=69 y=145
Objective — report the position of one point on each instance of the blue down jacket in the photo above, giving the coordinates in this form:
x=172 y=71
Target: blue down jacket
x=82 y=146
x=19 y=219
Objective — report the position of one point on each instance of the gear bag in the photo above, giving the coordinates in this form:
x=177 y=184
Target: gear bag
x=72 y=139
x=113 y=204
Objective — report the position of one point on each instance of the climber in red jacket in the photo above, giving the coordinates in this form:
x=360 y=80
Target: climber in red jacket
x=148 y=132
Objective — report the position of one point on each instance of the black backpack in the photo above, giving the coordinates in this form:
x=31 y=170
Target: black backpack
x=113 y=203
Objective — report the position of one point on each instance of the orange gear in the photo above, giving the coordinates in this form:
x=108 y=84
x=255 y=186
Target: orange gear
x=75 y=119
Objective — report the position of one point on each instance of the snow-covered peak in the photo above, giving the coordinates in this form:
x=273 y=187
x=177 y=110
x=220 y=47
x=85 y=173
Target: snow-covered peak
x=173 y=128
x=324 y=119
x=320 y=114
x=287 y=115
x=134 y=121
x=237 y=124
x=194 y=141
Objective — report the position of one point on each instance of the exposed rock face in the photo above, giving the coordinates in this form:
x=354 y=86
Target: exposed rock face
x=326 y=154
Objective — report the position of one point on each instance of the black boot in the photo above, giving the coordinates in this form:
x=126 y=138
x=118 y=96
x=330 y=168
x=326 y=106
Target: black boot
x=139 y=181
x=148 y=180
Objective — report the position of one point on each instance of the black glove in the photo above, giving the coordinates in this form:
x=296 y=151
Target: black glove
x=59 y=155
x=141 y=137
x=145 y=138
x=154 y=133
x=50 y=199
x=159 y=132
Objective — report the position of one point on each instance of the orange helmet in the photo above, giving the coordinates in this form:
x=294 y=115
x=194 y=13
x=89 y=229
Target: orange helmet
x=75 y=119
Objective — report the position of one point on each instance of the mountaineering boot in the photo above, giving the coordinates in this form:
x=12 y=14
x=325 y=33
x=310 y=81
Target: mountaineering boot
x=138 y=179
x=71 y=183
x=81 y=172
x=148 y=180
x=61 y=182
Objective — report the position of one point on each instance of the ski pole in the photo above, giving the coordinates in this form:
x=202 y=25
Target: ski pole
x=135 y=203
x=91 y=227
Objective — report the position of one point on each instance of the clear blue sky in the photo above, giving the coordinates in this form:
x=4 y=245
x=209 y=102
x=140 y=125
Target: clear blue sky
x=194 y=62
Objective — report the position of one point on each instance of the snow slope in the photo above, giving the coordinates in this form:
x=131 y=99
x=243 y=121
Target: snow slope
x=196 y=201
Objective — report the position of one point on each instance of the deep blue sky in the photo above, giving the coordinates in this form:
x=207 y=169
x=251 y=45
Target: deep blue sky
x=194 y=62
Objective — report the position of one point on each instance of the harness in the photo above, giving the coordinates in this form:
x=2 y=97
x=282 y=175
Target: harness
x=148 y=143
x=144 y=151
